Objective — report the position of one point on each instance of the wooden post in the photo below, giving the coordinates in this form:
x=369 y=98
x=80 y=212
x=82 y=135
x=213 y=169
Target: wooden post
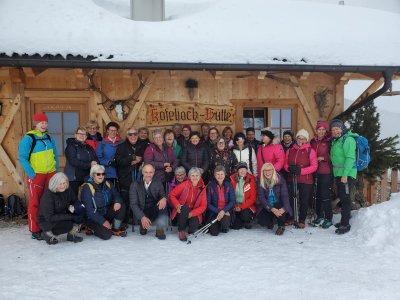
x=394 y=180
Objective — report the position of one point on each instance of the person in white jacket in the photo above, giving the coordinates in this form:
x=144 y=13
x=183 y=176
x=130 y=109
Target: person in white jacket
x=245 y=153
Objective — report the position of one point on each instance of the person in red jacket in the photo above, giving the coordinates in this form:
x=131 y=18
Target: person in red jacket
x=301 y=162
x=245 y=187
x=321 y=143
x=269 y=151
x=189 y=202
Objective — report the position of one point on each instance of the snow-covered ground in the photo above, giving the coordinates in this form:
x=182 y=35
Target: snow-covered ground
x=246 y=264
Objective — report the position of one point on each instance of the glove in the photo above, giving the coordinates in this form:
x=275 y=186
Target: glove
x=77 y=219
x=112 y=163
x=294 y=169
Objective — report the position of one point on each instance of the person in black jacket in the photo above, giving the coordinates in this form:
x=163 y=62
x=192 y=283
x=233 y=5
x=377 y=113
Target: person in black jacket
x=59 y=211
x=149 y=202
x=129 y=157
x=196 y=155
x=104 y=206
x=80 y=157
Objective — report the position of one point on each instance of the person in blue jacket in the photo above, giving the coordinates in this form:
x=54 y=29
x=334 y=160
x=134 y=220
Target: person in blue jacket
x=106 y=150
x=104 y=206
x=220 y=201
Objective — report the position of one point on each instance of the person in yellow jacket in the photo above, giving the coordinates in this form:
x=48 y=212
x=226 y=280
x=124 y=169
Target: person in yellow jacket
x=38 y=157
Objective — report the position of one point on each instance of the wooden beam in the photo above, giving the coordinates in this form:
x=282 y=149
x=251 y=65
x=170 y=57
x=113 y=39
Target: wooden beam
x=17 y=76
x=127 y=73
x=217 y=74
x=303 y=100
x=173 y=74
x=11 y=168
x=33 y=72
x=371 y=89
x=284 y=81
x=138 y=105
x=304 y=76
x=261 y=75
x=345 y=77
x=79 y=73
x=16 y=103
x=100 y=109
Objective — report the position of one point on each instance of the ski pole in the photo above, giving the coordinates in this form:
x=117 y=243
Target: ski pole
x=200 y=231
x=295 y=203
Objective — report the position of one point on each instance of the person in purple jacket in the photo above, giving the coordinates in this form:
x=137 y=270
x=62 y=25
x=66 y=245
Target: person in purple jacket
x=274 y=199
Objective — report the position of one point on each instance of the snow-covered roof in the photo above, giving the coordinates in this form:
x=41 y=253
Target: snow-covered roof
x=204 y=31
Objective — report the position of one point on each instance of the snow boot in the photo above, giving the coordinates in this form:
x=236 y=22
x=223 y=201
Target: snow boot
x=37 y=236
x=280 y=230
x=299 y=225
x=119 y=232
x=289 y=222
x=326 y=224
x=50 y=238
x=72 y=234
x=182 y=236
x=343 y=229
x=337 y=225
x=160 y=234
x=317 y=222
x=142 y=231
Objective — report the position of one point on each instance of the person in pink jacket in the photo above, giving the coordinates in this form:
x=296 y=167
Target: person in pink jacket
x=301 y=163
x=269 y=151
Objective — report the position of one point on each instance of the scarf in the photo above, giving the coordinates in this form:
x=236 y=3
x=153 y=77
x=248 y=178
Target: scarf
x=239 y=191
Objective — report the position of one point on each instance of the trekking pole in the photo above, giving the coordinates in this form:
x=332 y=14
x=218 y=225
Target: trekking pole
x=314 y=202
x=200 y=231
x=295 y=201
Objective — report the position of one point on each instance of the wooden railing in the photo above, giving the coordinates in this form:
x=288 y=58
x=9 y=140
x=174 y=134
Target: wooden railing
x=381 y=190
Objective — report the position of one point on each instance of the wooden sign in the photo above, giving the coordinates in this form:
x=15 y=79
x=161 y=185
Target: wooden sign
x=162 y=114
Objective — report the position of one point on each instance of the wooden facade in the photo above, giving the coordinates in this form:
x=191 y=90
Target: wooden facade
x=158 y=99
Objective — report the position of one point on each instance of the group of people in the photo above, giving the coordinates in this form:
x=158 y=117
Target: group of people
x=185 y=178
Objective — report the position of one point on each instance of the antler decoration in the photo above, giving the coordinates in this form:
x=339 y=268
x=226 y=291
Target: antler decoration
x=118 y=105
x=321 y=101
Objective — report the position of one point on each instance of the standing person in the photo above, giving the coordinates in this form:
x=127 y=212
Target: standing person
x=38 y=157
x=196 y=155
x=184 y=139
x=149 y=202
x=93 y=134
x=222 y=156
x=189 y=202
x=106 y=150
x=301 y=162
x=227 y=133
x=343 y=156
x=287 y=140
x=245 y=188
x=251 y=138
x=161 y=157
x=274 y=199
x=104 y=206
x=60 y=211
x=143 y=139
x=205 y=130
x=269 y=152
x=213 y=138
x=171 y=142
x=129 y=157
x=80 y=157
x=321 y=143
x=177 y=129
x=245 y=153
x=220 y=201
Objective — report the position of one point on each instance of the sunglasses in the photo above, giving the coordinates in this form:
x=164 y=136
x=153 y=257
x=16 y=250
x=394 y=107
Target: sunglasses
x=100 y=174
x=132 y=134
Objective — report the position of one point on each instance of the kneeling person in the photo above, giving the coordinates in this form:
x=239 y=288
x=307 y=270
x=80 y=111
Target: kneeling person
x=105 y=209
x=149 y=202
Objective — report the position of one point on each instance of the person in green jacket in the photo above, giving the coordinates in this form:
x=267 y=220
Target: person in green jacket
x=343 y=157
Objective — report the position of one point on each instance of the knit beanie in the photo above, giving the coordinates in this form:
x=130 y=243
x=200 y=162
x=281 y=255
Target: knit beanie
x=323 y=124
x=337 y=123
x=40 y=118
x=242 y=164
x=187 y=126
x=288 y=132
x=303 y=133
x=267 y=131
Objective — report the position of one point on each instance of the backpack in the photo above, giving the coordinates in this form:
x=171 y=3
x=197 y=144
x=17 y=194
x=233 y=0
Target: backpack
x=14 y=206
x=91 y=187
x=47 y=137
x=2 y=205
x=363 y=155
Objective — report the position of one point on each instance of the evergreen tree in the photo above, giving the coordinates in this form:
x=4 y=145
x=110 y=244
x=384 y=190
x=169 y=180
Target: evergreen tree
x=385 y=153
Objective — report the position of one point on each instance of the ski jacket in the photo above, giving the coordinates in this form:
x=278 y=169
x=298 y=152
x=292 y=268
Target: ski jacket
x=97 y=204
x=137 y=195
x=249 y=190
x=287 y=147
x=43 y=159
x=322 y=148
x=195 y=156
x=105 y=151
x=247 y=155
x=304 y=157
x=213 y=196
x=93 y=141
x=54 y=208
x=281 y=193
x=224 y=158
x=157 y=157
x=343 y=156
x=124 y=155
x=194 y=196
x=272 y=153
x=79 y=157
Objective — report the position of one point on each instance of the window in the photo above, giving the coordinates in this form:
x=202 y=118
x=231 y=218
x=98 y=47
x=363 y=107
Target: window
x=279 y=119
